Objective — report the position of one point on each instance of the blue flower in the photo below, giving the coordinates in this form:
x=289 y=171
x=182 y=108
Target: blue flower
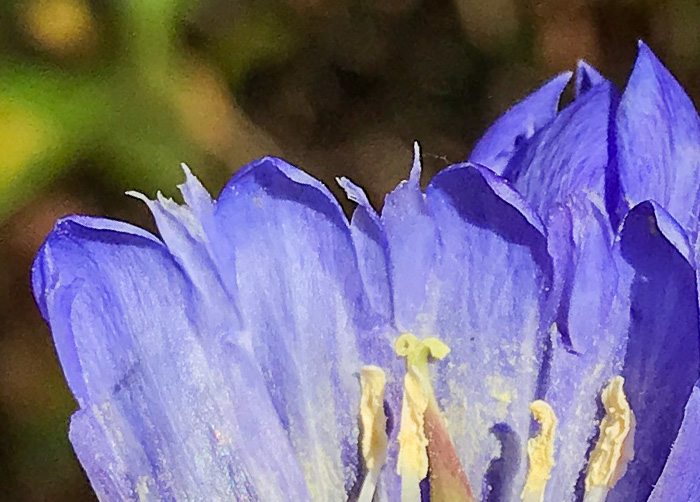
x=266 y=348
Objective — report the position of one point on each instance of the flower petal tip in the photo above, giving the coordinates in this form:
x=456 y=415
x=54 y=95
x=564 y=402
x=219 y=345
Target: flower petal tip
x=417 y=166
x=353 y=192
x=586 y=77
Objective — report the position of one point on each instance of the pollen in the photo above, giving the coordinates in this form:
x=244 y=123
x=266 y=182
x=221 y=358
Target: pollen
x=615 y=446
x=540 y=452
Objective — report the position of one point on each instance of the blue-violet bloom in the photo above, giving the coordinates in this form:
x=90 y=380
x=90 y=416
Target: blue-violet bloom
x=526 y=328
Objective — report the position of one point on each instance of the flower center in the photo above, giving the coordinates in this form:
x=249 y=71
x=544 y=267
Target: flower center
x=426 y=450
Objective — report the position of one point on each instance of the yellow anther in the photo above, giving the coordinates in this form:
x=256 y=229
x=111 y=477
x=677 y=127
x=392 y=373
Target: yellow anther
x=372 y=417
x=373 y=426
x=418 y=395
x=615 y=446
x=413 y=457
x=540 y=452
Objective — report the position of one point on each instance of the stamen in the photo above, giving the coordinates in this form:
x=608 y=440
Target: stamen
x=373 y=427
x=540 y=452
x=615 y=447
x=424 y=443
x=412 y=463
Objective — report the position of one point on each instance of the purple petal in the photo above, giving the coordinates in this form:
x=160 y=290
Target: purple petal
x=486 y=295
x=196 y=196
x=568 y=156
x=412 y=240
x=285 y=242
x=658 y=142
x=58 y=285
x=662 y=362
x=372 y=248
x=182 y=228
x=587 y=78
x=514 y=128
x=680 y=479
x=590 y=348
x=155 y=390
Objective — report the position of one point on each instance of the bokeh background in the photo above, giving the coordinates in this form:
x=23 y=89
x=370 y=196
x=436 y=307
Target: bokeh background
x=98 y=97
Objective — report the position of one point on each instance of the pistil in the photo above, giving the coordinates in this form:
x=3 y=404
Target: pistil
x=424 y=443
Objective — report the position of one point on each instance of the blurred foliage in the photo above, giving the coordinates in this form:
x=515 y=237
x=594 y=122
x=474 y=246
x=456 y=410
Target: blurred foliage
x=99 y=96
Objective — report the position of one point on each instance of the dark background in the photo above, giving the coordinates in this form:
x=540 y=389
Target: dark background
x=98 y=97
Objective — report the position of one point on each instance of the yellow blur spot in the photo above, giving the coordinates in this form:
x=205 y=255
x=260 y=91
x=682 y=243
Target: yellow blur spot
x=417 y=396
x=372 y=417
x=540 y=452
x=615 y=446
x=64 y=27
x=24 y=136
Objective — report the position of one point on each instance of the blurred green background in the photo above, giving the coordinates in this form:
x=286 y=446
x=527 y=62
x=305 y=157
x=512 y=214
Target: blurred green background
x=98 y=97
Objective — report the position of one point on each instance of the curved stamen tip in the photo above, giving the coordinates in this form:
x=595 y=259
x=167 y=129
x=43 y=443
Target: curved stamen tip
x=615 y=447
x=417 y=352
x=540 y=452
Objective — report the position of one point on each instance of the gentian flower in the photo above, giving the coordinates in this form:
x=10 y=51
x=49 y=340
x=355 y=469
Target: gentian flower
x=525 y=329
